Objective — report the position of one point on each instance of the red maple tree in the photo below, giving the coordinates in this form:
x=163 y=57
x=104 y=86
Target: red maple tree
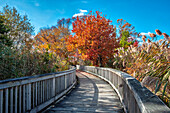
x=94 y=38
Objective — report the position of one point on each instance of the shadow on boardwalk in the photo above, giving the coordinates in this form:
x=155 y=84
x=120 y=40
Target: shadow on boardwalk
x=90 y=95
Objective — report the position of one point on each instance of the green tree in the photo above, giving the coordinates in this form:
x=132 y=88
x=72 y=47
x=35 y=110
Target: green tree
x=20 y=26
x=4 y=40
x=124 y=42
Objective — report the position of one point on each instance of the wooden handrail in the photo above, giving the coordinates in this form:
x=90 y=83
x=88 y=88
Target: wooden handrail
x=33 y=93
x=134 y=97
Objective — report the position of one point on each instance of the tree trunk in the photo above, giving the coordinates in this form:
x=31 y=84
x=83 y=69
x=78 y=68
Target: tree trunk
x=100 y=61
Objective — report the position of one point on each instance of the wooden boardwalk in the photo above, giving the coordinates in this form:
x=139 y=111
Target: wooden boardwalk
x=91 y=95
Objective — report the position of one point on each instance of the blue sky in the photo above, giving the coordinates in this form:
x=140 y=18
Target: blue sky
x=145 y=15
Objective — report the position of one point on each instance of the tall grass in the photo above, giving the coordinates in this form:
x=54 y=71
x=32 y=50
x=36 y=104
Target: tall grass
x=149 y=62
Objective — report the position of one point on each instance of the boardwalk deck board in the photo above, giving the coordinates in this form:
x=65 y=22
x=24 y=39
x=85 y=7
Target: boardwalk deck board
x=90 y=95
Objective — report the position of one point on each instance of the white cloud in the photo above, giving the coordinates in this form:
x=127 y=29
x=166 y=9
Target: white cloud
x=32 y=36
x=37 y=4
x=138 y=39
x=147 y=34
x=78 y=14
x=82 y=12
x=140 y=43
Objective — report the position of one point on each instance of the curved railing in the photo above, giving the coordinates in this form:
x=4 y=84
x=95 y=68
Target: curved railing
x=33 y=93
x=134 y=97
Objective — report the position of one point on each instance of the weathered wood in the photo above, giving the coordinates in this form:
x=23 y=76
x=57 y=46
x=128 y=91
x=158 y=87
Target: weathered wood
x=1 y=101
x=20 y=99
x=16 y=99
x=23 y=98
x=47 y=89
x=16 y=82
x=6 y=99
x=36 y=99
x=35 y=92
x=45 y=104
x=143 y=100
x=43 y=91
x=91 y=95
x=53 y=87
x=29 y=96
x=11 y=100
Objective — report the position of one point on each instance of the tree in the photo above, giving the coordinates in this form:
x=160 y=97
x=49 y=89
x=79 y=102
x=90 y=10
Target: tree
x=125 y=41
x=53 y=40
x=20 y=26
x=123 y=27
x=94 y=39
x=4 y=40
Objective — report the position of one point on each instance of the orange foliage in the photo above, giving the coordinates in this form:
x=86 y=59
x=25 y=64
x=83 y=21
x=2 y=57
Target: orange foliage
x=53 y=40
x=95 y=39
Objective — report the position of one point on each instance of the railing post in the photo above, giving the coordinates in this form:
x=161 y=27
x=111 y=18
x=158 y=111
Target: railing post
x=11 y=97
x=36 y=98
x=29 y=96
x=16 y=99
x=20 y=99
x=6 y=99
x=23 y=98
x=53 y=90
x=65 y=84
x=1 y=101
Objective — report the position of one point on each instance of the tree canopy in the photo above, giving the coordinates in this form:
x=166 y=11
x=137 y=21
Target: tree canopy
x=20 y=26
x=95 y=38
x=4 y=40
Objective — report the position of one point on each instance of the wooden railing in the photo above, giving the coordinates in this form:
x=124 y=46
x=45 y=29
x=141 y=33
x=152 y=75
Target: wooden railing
x=32 y=94
x=134 y=97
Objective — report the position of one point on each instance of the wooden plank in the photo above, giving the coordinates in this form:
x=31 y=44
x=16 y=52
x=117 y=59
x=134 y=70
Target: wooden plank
x=24 y=91
x=1 y=101
x=39 y=93
x=33 y=94
x=23 y=98
x=92 y=95
x=26 y=94
x=59 y=88
x=69 y=80
x=56 y=85
x=65 y=81
x=51 y=100
x=41 y=98
x=47 y=89
x=20 y=99
x=29 y=96
x=6 y=100
x=72 y=75
x=36 y=99
x=16 y=99
x=43 y=91
x=49 y=93
x=30 y=80
x=53 y=87
x=11 y=100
